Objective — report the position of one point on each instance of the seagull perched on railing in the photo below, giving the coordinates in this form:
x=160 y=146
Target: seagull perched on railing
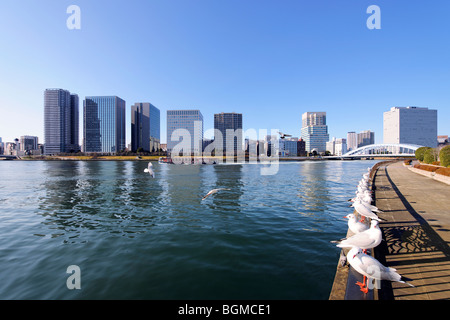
x=371 y=268
x=367 y=239
x=213 y=191
x=354 y=225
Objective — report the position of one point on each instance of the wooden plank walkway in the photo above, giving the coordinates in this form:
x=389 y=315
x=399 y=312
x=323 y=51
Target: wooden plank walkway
x=416 y=233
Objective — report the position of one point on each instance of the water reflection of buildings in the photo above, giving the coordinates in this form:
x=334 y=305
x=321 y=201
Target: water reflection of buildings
x=313 y=190
x=230 y=177
x=109 y=196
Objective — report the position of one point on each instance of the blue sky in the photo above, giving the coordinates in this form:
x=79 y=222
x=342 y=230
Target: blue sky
x=270 y=60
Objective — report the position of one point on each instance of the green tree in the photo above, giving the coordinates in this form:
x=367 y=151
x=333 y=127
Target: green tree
x=420 y=153
x=444 y=156
x=431 y=155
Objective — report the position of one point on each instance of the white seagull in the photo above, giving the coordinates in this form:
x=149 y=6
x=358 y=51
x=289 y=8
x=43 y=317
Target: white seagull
x=371 y=268
x=284 y=135
x=354 y=225
x=364 y=211
x=367 y=205
x=213 y=191
x=149 y=169
x=367 y=239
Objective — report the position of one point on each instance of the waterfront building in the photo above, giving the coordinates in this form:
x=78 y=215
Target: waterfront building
x=352 y=140
x=364 y=138
x=28 y=143
x=61 y=120
x=301 y=148
x=337 y=147
x=231 y=123
x=184 y=131
x=74 y=144
x=330 y=146
x=1 y=146
x=145 y=127
x=315 y=131
x=340 y=146
x=287 y=147
x=104 y=124
x=412 y=125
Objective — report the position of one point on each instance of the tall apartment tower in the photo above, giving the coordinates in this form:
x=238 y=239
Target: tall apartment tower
x=61 y=120
x=365 y=138
x=145 y=127
x=185 y=131
x=315 y=131
x=104 y=124
x=352 y=141
x=412 y=125
x=231 y=122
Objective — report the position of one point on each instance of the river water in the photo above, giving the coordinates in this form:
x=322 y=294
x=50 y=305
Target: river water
x=137 y=237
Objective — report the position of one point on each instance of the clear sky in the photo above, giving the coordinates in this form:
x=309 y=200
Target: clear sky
x=270 y=60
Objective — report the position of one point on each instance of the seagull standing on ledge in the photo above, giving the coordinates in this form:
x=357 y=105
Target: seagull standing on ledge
x=371 y=268
x=365 y=240
x=212 y=192
x=354 y=225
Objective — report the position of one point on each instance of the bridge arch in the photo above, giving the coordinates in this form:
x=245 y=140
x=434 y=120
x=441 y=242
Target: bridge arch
x=391 y=149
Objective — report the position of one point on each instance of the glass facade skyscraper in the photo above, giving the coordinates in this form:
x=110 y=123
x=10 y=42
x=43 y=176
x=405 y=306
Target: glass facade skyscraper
x=104 y=124
x=145 y=127
x=315 y=131
x=228 y=121
x=61 y=121
x=188 y=121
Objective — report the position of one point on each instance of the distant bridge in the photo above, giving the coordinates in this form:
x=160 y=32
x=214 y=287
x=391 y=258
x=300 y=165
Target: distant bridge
x=384 y=150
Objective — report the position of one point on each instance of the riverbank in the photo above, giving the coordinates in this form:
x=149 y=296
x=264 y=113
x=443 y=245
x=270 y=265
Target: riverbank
x=416 y=234
x=156 y=158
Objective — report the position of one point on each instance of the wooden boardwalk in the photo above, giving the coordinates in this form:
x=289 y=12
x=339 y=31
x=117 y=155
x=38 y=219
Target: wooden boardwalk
x=416 y=233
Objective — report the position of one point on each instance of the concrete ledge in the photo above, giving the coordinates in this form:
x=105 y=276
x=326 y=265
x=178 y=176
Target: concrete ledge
x=432 y=175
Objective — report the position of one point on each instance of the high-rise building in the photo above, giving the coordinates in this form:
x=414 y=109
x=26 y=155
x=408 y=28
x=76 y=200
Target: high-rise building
x=411 y=125
x=229 y=125
x=28 y=143
x=104 y=124
x=145 y=127
x=61 y=119
x=364 y=138
x=352 y=140
x=184 y=131
x=315 y=131
x=75 y=123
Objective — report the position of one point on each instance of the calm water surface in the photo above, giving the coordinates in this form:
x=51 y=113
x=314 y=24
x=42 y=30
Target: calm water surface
x=135 y=237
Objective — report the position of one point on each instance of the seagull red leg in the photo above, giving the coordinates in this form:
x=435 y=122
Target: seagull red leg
x=363 y=285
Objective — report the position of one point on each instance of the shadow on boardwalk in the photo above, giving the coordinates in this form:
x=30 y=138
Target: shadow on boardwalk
x=411 y=245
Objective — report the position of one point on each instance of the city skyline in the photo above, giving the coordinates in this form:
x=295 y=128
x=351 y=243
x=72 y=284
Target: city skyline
x=273 y=63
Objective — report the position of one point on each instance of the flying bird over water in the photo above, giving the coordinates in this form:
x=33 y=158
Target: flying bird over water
x=149 y=169
x=213 y=191
x=284 y=135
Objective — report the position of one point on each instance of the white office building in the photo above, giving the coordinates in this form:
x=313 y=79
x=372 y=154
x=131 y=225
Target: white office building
x=411 y=125
x=185 y=131
x=352 y=140
x=315 y=131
